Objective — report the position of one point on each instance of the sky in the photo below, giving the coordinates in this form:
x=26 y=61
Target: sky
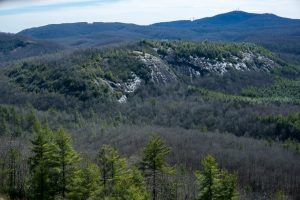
x=16 y=15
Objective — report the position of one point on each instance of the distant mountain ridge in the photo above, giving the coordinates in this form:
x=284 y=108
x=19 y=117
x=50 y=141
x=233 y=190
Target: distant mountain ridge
x=222 y=22
x=14 y=47
x=278 y=34
x=234 y=18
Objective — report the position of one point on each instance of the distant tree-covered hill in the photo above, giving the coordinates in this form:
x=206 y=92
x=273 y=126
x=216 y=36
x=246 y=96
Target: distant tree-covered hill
x=14 y=47
x=119 y=71
x=244 y=74
x=279 y=34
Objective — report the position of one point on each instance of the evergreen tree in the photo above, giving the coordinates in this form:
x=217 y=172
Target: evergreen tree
x=117 y=181
x=3 y=127
x=208 y=181
x=110 y=163
x=31 y=120
x=53 y=166
x=154 y=161
x=2 y=173
x=86 y=184
x=213 y=183
x=229 y=186
x=43 y=165
x=14 y=159
x=67 y=160
x=16 y=121
x=130 y=185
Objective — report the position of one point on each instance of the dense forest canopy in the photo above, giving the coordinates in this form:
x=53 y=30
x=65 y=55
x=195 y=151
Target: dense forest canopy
x=227 y=112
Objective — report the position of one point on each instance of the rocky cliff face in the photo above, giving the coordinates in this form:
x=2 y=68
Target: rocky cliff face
x=118 y=72
x=168 y=63
x=197 y=66
x=161 y=72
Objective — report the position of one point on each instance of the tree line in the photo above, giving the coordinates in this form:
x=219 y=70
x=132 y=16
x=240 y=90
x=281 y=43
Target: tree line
x=57 y=171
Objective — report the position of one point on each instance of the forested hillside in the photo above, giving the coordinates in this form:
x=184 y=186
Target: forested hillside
x=278 y=34
x=151 y=120
x=14 y=47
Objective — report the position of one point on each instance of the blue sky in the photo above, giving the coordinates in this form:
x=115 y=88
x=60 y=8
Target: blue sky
x=50 y=6
x=16 y=15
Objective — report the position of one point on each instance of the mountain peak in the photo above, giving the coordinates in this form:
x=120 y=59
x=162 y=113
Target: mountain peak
x=227 y=18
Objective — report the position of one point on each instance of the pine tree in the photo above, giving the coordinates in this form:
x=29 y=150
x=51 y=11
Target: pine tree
x=3 y=127
x=130 y=185
x=154 y=161
x=2 y=173
x=208 y=181
x=117 y=180
x=86 y=184
x=110 y=163
x=31 y=120
x=53 y=166
x=43 y=165
x=16 y=121
x=14 y=159
x=213 y=183
x=67 y=160
x=229 y=186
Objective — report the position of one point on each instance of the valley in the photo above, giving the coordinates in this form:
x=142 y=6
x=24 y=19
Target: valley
x=109 y=94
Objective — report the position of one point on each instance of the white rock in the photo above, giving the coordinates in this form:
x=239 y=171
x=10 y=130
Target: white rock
x=123 y=99
x=133 y=84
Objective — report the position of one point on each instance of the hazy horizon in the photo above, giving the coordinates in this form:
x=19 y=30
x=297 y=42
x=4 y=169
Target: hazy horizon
x=16 y=15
